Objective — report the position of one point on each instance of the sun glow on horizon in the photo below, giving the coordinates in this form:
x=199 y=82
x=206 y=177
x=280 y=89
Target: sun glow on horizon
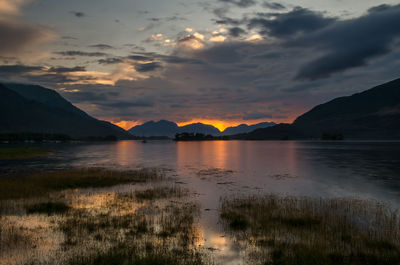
x=126 y=125
x=219 y=124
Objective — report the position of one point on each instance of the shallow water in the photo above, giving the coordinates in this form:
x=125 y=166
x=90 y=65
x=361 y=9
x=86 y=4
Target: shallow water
x=213 y=169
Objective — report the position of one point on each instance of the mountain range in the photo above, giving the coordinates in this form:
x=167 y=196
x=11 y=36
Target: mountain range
x=30 y=108
x=372 y=114
x=169 y=129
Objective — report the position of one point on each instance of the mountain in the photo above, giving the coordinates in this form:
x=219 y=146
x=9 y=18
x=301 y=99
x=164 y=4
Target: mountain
x=45 y=96
x=169 y=128
x=244 y=128
x=372 y=114
x=199 y=128
x=152 y=128
x=35 y=109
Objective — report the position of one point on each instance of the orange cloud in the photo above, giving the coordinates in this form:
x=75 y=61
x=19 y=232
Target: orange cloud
x=11 y=7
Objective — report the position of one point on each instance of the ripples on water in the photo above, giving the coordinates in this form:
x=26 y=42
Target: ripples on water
x=221 y=168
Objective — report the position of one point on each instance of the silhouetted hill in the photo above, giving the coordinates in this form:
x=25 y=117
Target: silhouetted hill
x=45 y=96
x=32 y=109
x=199 y=128
x=152 y=128
x=372 y=114
x=244 y=128
x=169 y=128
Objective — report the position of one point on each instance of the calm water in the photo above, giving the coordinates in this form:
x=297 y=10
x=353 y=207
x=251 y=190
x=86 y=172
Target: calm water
x=212 y=169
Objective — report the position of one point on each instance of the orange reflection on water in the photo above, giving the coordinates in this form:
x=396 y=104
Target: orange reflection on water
x=127 y=152
x=211 y=154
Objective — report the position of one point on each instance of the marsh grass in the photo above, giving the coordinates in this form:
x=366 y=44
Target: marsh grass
x=42 y=183
x=313 y=231
x=48 y=208
x=7 y=153
x=158 y=193
x=97 y=223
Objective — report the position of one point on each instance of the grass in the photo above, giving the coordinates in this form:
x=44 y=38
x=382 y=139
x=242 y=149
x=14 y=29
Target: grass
x=158 y=193
x=42 y=183
x=48 y=208
x=21 y=153
x=314 y=231
x=66 y=224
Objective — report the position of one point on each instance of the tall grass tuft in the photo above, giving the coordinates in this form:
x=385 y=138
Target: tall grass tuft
x=313 y=231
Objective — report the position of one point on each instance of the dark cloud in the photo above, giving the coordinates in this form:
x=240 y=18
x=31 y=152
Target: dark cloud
x=86 y=96
x=18 y=69
x=102 y=46
x=141 y=57
x=67 y=69
x=240 y=3
x=130 y=104
x=147 y=67
x=351 y=43
x=236 y=31
x=78 y=13
x=273 y=5
x=379 y=8
x=229 y=21
x=81 y=53
x=299 y=20
x=110 y=61
x=18 y=37
x=256 y=116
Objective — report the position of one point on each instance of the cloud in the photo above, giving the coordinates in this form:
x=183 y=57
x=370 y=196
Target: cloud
x=19 y=37
x=102 y=46
x=299 y=20
x=78 y=14
x=11 y=7
x=350 y=43
x=255 y=37
x=257 y=116
x=236 y=31
x=147 y=67
x=240 y=3
x=273 y=5
x=81 y=53
x=66 y=69
x=18 y=69
x=191 y=42
x=218 y=38
x=110 y=61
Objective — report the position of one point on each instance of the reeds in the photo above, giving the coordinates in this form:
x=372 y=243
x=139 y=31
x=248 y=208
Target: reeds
x=42 y=183
x=303 y=230
x=137 y=224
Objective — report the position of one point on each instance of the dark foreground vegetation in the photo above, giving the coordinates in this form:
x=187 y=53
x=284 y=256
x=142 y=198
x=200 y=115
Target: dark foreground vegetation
x=198 y=137
x=44 y=183
x=21 y=153
x=100 y=216
x=301 y=230
x=85 y=216
x=50 y=137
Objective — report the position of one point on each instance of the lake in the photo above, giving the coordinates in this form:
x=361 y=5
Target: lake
x=211 y=169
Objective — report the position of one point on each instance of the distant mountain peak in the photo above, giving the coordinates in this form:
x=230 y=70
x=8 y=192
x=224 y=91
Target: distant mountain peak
x=169 y=128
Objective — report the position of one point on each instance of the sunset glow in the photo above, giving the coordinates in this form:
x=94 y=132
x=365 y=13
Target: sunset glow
x=126 y=124
x=219 y=124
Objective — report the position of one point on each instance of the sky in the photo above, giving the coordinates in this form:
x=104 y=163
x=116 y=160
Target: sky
x=221 y=62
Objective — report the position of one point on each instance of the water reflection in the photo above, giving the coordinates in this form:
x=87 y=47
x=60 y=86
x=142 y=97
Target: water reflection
x=217 y=168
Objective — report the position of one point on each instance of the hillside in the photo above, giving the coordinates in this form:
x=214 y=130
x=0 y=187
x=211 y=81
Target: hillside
x=372 y=114
x=39 y=110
